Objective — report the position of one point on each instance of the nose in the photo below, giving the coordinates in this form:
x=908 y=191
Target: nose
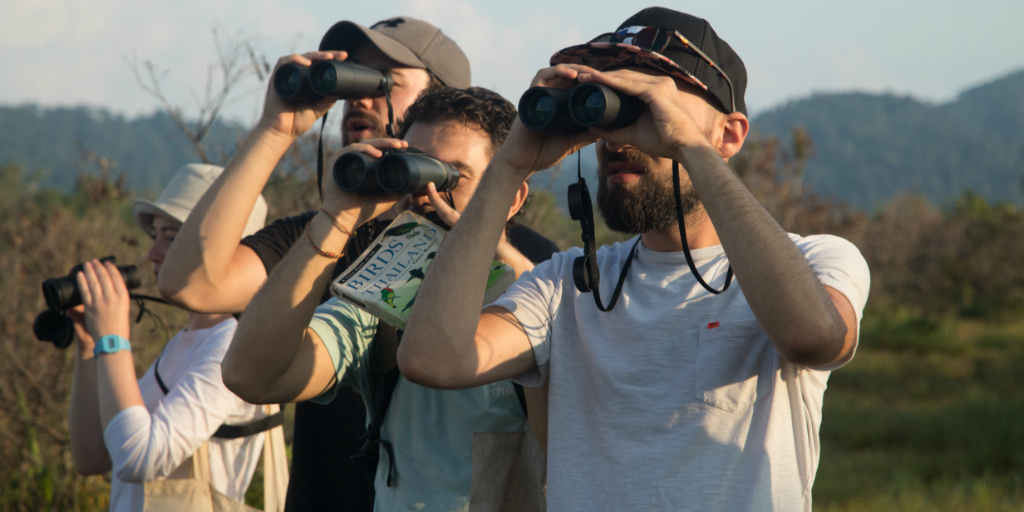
x=157 y=252
x=614 y=147
x=365 y=103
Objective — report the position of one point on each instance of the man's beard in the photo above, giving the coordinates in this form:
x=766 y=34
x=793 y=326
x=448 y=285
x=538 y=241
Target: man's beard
x=369 y=119
x=645 y=205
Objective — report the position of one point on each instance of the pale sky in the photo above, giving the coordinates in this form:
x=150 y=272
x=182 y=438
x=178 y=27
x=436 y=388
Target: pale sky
x=69 y=52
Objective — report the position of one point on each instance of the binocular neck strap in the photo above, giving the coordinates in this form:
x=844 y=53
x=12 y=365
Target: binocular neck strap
x=391 y=113
x=682 y=235
x=586 y=274
x=320 y=158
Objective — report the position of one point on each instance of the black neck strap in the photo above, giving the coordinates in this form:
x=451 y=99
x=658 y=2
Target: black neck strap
x=320 y=158
x=682 y=235
x=585 y=272
x=391 y=112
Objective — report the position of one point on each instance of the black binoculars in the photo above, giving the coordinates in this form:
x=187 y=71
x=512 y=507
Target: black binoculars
x=574 y=110
x=399 y=171
x=330 y=78
x=62 y=294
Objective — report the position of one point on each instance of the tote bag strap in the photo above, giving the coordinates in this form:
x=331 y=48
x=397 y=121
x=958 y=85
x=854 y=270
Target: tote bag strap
x=201 y=464
x=275 y=466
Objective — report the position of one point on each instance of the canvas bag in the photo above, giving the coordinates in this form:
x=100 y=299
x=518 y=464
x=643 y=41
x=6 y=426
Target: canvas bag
x=198 y=493
x=509 y=473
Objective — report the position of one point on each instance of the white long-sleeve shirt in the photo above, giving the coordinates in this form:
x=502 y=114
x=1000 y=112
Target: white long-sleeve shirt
x=157 y=441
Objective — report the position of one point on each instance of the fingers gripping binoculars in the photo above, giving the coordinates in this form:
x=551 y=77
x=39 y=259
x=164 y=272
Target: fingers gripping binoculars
x=573 y=110
x=399 y=171
x=331 y=78
x=62 y=294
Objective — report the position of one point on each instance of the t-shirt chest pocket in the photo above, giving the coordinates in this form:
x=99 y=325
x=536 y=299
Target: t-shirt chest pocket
x=735 y=365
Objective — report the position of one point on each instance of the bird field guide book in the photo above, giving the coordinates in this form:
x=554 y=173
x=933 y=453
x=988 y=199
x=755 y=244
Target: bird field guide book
x=385 y=279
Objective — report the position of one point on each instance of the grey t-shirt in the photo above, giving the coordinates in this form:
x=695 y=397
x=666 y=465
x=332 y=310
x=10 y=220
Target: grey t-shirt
x=676 y=399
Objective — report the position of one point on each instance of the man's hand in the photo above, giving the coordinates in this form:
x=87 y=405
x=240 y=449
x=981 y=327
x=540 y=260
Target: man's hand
x=665 y=128
x=526 y=150
x=294 y=117
x=505 y=253
x=350 y=209
x=106 y=299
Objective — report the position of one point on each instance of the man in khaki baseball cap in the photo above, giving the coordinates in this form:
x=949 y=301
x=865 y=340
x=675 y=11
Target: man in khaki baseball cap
x=406 y=47
x=209 y=270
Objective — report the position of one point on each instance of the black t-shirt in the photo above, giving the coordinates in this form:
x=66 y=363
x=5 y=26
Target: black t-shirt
x=323 y=474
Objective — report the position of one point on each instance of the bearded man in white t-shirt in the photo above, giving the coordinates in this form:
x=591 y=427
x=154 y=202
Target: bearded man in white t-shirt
x=688 y=394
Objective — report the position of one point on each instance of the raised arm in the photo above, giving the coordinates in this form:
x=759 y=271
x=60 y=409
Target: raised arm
x=448 y=343
x=85 y=429
x=808 y=323
x=275 y=357
x=207 y=269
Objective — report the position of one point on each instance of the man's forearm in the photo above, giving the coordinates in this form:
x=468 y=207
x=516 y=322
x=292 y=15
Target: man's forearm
x=443 y=325
x=786 y=296
x=199 y=262
x=268 y=342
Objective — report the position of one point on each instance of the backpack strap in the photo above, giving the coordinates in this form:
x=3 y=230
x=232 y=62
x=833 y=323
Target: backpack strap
x=521 y=395
x=230 y=431
x=384 y=376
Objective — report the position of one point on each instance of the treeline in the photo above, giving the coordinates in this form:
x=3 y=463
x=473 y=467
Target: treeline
x=147 y=150
x=873 y=147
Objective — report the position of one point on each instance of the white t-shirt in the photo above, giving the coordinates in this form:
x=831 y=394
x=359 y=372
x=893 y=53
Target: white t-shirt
x=676 y=399
x=157 y=441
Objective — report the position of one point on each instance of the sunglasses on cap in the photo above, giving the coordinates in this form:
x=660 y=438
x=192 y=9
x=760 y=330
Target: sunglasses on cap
x=656 y=39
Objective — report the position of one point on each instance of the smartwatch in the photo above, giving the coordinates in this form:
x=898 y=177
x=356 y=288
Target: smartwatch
x=110 y=344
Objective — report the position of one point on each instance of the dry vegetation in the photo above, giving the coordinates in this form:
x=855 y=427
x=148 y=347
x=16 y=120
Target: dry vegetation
x=923 y=419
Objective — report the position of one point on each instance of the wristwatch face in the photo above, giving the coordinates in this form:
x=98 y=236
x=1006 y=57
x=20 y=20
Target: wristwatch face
x=112 y=343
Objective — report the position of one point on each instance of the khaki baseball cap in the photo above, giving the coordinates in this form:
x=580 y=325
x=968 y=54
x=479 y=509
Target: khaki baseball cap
x=182 y=194
x=410 y=42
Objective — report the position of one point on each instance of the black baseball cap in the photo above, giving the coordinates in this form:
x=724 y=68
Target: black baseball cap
x=410 y=42
x=676 y=59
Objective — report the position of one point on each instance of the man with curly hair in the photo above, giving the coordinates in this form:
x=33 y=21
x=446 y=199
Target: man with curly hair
x=289 y=349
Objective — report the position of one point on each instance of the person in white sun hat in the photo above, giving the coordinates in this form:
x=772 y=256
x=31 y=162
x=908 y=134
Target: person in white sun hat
x=148 y=430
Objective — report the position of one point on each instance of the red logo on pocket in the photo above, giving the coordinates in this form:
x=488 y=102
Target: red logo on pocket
x=712 y=325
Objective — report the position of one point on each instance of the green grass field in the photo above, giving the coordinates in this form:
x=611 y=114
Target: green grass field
x=927 y=416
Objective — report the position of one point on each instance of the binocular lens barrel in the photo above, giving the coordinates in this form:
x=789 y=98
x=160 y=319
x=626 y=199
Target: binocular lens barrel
x=572 y=110
x=601 y=106
x=292 y=81
x=403 y=173
x=547 y=108
x=348 y=79
x=61 y=293
x=356 y=172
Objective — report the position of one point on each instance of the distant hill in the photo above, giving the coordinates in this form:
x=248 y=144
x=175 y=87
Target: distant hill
x=45 y=138
x=871 y=147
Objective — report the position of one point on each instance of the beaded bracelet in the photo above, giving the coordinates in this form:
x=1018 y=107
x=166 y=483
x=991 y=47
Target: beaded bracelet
x=336 y=223
x=326 y=254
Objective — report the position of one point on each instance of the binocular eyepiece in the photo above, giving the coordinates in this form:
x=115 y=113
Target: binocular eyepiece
x=330 y=78
x=62 y=294
x=399 y=171
x=583 y=106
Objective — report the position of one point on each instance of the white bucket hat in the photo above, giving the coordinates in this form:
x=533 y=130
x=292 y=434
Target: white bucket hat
x=182 y=194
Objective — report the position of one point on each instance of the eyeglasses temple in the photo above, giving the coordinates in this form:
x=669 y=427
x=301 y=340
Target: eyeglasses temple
x=732 y=94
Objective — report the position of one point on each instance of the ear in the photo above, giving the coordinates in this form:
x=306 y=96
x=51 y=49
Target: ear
x=519 y=201
x=734 y=131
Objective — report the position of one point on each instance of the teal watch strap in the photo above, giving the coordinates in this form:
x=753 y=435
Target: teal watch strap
x=110 y=344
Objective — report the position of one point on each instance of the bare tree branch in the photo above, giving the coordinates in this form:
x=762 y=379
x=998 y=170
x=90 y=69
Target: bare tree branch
x=237 y=59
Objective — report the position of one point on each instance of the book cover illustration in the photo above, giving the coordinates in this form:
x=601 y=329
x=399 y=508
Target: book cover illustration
x=386 y=278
